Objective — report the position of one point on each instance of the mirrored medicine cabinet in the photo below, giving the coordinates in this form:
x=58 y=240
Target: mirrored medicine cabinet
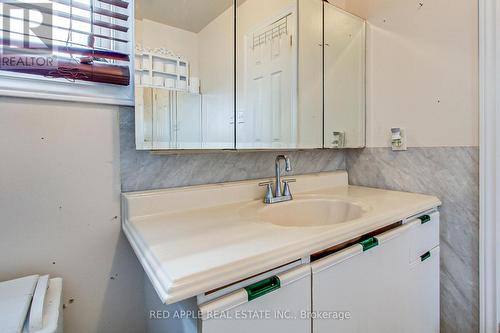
x=249 y=74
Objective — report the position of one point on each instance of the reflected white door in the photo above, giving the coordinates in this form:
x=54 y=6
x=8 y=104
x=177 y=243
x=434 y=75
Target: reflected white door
x=176 y=120
x=164 y=123
x=143 y=118
x=188 y=116
x=271 y=83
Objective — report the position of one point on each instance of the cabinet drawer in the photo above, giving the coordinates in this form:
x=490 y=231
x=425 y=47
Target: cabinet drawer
x=425 y=234
x=268 y=306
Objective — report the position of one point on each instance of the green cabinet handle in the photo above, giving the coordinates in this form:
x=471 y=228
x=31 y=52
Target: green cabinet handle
x=424 y=219
x=425 y=256
x=369 y=243
x=263 y=287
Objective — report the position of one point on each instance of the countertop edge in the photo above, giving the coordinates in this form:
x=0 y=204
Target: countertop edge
x=161 y=283
x=171 y=291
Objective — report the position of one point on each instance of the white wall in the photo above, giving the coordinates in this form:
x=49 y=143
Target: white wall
x=60 y=204
x=216 y=57
x=422 y=71
x=339 y=3
x=151 y=34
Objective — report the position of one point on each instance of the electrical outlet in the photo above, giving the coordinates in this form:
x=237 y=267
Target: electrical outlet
x=398 y=139
x=338 y=140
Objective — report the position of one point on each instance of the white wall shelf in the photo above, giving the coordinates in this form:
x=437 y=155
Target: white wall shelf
x=161 y=71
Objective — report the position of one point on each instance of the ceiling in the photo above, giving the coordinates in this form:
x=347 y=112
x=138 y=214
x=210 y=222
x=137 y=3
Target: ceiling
x=191 y=15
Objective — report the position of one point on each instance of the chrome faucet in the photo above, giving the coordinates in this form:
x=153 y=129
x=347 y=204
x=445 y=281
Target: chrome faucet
x=277 y=167
x=279 y=195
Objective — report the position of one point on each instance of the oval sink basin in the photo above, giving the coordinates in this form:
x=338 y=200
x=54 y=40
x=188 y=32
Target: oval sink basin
x=310 y=212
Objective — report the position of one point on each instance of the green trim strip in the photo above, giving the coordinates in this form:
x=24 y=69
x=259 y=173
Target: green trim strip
x=369 y=243
x=425 y=256
x=424 y=219
x=263 y=287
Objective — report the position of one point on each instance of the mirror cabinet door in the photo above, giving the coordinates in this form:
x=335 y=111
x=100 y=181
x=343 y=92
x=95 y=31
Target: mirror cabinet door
x=299 y=75
x=184 y=74
x=270 y=113
x=344 y=79
x=310 y=94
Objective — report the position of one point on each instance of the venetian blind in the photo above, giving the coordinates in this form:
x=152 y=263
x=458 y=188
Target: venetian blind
x=76 y=40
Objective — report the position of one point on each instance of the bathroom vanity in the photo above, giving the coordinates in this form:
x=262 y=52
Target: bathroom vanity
x=336 y=258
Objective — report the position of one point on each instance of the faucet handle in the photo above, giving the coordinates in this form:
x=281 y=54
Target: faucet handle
x=286 y=188
x=269 y=191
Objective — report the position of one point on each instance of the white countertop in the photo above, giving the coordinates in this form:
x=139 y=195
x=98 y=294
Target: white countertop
x=195 y=239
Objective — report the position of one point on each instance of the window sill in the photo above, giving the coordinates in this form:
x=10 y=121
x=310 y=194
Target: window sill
x=61 y=90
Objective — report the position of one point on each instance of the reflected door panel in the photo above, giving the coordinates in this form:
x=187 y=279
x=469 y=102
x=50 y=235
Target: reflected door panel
x=267 y=74
x=164 y=124
x=270 y=84
x=189 y=121
x=143 y=118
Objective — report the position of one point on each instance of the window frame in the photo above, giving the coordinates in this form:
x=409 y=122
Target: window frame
x=39 y=87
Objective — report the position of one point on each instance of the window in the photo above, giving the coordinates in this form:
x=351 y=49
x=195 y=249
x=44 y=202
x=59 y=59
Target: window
x=67 y=49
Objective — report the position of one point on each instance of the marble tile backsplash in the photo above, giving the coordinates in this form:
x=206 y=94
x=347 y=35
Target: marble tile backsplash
x=452 y=174
x=142 y=170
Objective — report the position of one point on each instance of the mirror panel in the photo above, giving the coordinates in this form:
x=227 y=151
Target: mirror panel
x=310 y=73
x=270 y=112
x=300 y=75
x=184 y=74
x=344 y=79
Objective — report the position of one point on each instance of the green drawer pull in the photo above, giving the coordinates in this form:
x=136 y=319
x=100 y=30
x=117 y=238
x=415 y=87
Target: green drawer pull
x=369 y=243
x=425 y=256
x=424 y=219
x=263 y=287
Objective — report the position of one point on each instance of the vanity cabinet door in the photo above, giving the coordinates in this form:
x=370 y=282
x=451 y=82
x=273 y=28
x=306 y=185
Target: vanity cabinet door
x=272 y=305
x=425 y=234
x=362 y=288
x=424 y=294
